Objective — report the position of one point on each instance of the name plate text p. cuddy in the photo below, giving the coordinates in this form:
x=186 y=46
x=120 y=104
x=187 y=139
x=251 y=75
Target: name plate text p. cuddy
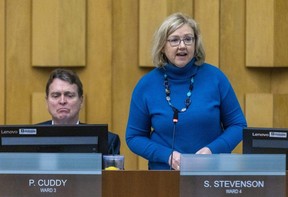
x=233 y=175
x=50 y=174
x=22 y=185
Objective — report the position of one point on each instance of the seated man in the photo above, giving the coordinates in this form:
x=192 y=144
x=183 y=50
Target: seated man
x=64 y=97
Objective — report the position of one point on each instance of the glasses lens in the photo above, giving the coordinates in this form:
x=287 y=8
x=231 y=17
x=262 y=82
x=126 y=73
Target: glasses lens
x=188 y=40
x=174 y=41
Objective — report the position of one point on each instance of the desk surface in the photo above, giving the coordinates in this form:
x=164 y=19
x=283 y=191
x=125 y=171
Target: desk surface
x=140 y=183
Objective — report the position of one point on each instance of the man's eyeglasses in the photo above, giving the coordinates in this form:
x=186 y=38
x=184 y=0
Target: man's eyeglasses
x=175 y=41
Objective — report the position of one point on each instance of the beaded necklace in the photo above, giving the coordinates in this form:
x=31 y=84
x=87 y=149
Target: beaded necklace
x=187 y=100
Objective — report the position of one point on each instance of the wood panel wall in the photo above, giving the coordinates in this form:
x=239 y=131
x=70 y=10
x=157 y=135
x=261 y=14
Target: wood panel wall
x=58 y=32
x=266 y=27
x=2 y=61
x=251 y=51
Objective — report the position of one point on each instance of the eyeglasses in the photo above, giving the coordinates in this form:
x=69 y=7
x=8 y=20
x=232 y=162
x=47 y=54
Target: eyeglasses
x=175 y=41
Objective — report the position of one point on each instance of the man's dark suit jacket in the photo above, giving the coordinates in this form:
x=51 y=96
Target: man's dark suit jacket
x=113 y=140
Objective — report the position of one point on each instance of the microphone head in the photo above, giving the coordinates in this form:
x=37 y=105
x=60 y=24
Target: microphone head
x=175 y=116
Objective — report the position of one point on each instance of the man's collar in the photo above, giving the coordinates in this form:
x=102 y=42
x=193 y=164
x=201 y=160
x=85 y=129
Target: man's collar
x=76 y=122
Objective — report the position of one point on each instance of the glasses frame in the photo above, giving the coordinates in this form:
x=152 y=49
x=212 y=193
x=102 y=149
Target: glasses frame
x=180 y=40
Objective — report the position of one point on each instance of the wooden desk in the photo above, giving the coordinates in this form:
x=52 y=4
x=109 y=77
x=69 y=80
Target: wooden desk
x=140 y=183
x=143 y=183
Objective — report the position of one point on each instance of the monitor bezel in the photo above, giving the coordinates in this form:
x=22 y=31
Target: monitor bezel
x=93 y=130
x=265 y=140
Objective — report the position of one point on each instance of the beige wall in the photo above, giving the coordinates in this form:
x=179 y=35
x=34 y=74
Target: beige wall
x=117 y=34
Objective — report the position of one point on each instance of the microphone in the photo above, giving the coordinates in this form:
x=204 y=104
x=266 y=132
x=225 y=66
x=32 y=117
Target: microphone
x=175 y=116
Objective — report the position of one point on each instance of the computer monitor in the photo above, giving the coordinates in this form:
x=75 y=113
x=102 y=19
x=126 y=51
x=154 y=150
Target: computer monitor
x=265 y=141
x=82 y=138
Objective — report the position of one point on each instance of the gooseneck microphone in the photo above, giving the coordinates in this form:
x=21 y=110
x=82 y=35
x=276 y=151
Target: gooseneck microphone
x=175 y=115
x=175 y=120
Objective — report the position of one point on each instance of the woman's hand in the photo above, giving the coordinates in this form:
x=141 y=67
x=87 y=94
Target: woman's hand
x=175 y=160
x=204 y=150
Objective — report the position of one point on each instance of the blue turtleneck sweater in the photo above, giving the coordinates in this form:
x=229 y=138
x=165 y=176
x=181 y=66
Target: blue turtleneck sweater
x=214 y=119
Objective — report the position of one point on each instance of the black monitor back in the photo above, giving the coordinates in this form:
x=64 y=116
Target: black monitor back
x=82 y=138
x=265 y=141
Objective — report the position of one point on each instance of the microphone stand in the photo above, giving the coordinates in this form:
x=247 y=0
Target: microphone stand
x=175 y=120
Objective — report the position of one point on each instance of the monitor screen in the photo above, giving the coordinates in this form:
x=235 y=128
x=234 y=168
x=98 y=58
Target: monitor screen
x=82 y=138
x=265 y=141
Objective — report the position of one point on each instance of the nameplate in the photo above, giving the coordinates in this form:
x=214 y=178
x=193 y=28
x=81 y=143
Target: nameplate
x=77 y=185
x=50 y=174
x=221 y=175
x=248 y=186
